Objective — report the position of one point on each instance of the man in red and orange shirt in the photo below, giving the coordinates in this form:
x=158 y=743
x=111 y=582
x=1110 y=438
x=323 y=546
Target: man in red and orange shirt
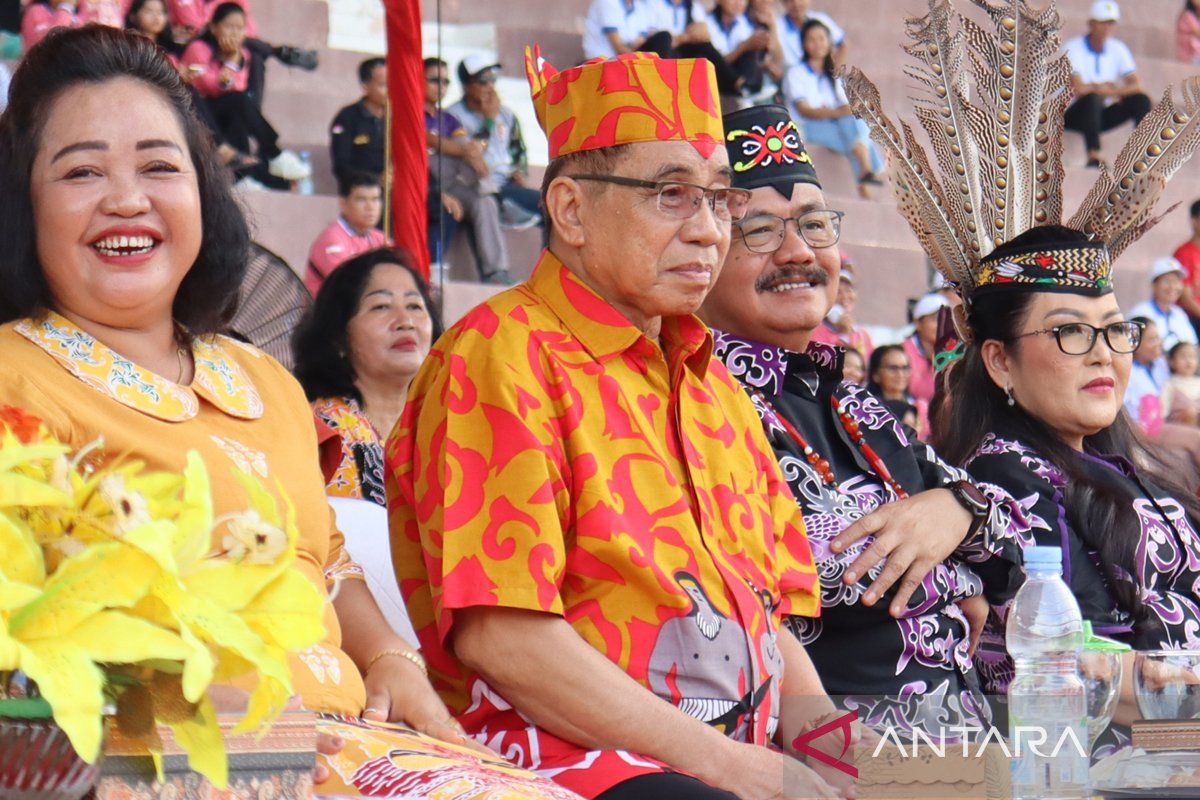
x=591 y=532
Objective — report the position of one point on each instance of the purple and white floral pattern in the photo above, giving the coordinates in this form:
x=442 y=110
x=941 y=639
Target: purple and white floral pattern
x=930 y=683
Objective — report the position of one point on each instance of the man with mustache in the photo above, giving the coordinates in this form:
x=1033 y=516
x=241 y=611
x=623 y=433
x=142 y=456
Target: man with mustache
x=592 y=534
x=877 y=507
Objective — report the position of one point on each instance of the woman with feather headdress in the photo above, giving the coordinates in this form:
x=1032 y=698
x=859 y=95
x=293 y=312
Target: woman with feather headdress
x=1036 y=402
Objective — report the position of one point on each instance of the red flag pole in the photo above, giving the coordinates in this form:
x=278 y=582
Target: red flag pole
x=409 y=170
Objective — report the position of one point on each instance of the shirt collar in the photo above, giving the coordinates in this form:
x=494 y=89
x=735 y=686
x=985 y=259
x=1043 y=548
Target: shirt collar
x=218 y=378
x=765 y=367
x=603 y=330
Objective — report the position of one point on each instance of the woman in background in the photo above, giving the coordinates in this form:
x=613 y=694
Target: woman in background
x=357 y=349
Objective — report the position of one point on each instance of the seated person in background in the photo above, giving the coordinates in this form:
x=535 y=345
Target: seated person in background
x=819 y=105
x=218 y=64
x=104 y=12
x=1108 y=91
x=1166 y=289
x=189 y=17
x=840 y=326
x=1188 y=256
x=485 y=120
x=457 y=170
x=1147 y=377
x=744 y=45
x=681 y=31
x=613 y=639
x=360 y=207
x=920 y=348
x=357 y=348
x=797 y=13
x=613 y=27
x=149 y=18
x=848 y=463
x=889 y=373
x=358 y=132
x=854 y=367
x=42 y=16
x=1187 y=33
x=1181 y=394
x=1177 y=440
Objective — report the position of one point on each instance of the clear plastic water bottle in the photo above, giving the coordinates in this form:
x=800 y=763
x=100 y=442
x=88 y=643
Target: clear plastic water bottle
x=1046 y=699
x=305 y=186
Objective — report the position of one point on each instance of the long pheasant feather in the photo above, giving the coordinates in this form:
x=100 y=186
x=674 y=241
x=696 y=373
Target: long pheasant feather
x=918 y=195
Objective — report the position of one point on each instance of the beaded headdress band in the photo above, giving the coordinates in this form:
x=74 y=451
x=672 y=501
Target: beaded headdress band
x=992 y=104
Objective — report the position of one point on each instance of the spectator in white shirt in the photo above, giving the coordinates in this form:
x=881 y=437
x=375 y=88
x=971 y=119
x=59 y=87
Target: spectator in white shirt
x=1166 y=287
x=613 y=27
x=819 y=105
x=1104 y=76
x=791 y=42
x=744 y=45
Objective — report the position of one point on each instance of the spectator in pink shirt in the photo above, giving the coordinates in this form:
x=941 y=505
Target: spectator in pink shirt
x=920 y=348
x=353 y=232
x=190 y=16
x=42 y=16
x=218 y=66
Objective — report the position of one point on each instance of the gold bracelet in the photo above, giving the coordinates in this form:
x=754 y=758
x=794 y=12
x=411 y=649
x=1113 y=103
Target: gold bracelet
x=412 y=656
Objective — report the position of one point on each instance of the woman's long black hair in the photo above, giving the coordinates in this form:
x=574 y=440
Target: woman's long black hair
x=827 y=67
x=1099 y=504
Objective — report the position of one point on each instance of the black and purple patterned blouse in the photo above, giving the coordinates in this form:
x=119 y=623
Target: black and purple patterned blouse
x=909 y=672
x=1167 y=555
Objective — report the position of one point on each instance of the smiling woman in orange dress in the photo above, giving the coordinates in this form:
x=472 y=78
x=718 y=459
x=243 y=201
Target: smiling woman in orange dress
x=123 y=251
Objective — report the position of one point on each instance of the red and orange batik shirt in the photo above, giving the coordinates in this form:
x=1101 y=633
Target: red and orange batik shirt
x=552 y=458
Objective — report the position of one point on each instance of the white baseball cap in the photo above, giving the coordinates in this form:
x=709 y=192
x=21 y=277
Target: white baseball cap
x=1165 y=266
x=929 y=304
x=1105 y=11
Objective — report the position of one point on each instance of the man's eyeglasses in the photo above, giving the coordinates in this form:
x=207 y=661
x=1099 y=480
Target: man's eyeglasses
x=1078 y=338
x=682 y=200
x=764 y=233
x=438 y=81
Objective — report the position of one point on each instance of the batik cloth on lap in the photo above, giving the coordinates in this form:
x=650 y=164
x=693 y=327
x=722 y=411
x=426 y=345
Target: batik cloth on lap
x=359 y=474
x=918 y=673
x=389 y=760
x=554 y=459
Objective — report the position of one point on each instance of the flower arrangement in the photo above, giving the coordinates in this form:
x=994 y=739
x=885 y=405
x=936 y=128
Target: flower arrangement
x=112 y=594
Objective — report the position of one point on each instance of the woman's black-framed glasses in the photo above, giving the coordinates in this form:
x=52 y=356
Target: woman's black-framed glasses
x=1078 y=338
x=764 y=233
x=682 y=200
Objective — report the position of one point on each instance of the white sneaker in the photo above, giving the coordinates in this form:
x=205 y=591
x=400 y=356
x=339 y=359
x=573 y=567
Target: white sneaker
x=288 y=166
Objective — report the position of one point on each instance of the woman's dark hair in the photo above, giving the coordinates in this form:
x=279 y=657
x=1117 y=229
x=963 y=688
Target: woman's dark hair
x=164 y=39
x=1099 y=504
x=320 y=343
x=93 y=54
x=827 y=66
x=876 y=364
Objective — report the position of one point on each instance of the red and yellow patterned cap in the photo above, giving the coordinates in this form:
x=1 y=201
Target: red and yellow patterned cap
x=635 y=97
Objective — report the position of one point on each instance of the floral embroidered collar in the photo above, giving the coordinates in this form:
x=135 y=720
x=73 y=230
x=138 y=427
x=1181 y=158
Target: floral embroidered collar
x=218 y=380
x=765 y=367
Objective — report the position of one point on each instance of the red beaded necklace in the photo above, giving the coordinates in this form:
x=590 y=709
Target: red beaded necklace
x=821 y=464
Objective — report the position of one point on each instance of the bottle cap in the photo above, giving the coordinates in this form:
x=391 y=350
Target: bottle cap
x=1039 y=555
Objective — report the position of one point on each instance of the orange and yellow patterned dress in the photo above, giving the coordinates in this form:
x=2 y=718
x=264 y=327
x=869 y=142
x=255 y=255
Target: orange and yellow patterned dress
x=359 y=473
x=551 y=458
